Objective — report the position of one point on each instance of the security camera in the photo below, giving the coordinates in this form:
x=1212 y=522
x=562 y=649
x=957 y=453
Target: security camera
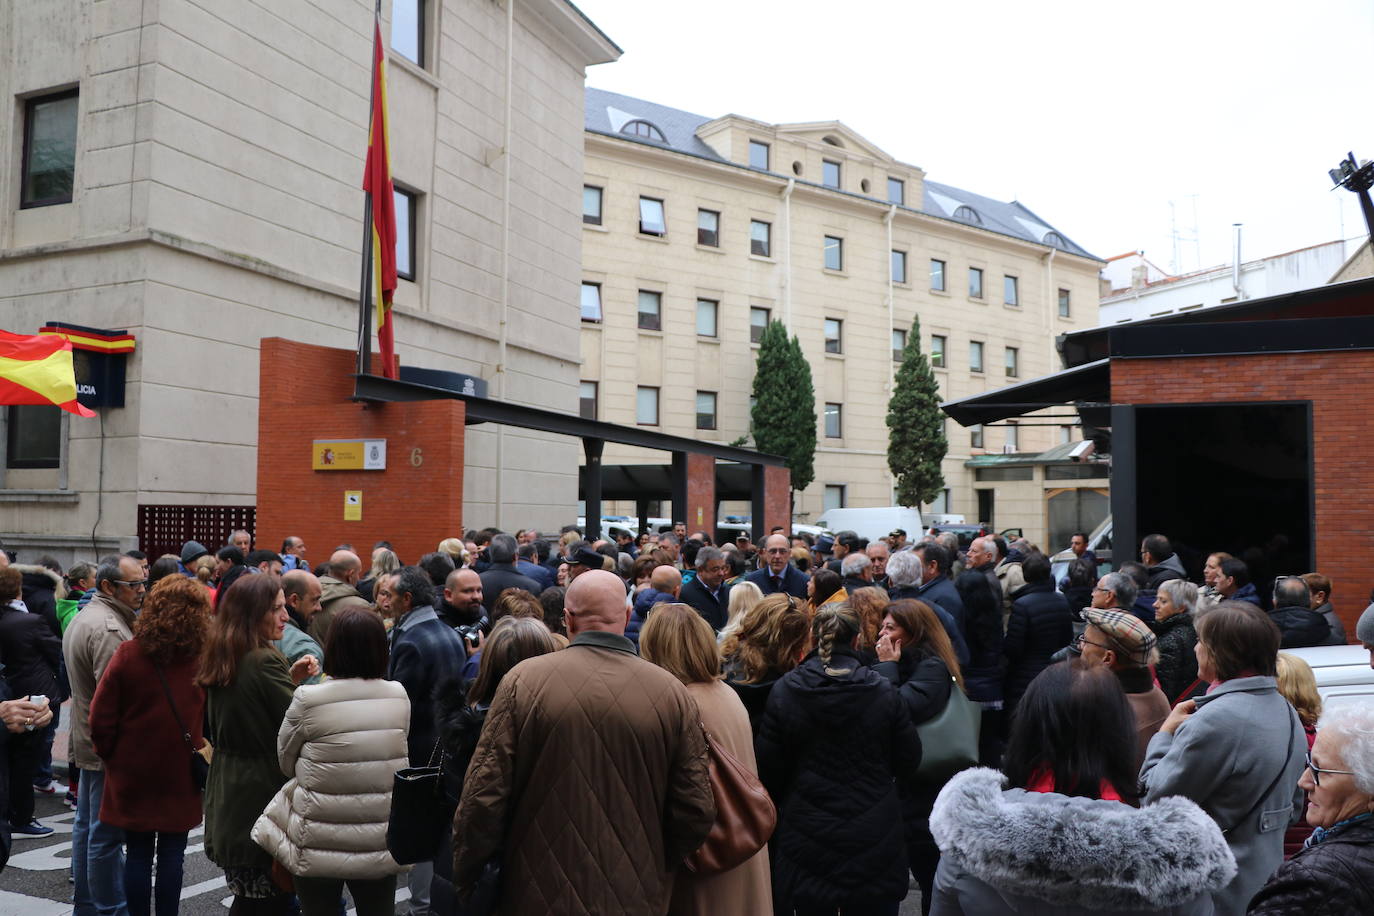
x=1082 y=451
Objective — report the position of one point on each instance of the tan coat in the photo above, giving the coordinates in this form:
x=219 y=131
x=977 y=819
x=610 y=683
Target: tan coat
x=88 y=645
x=342 y=743
x=745 y=890
x=590 y=781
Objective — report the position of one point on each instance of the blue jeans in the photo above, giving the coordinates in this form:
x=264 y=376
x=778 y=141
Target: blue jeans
x=42 y=775
x=97 y=856
x=138 y=871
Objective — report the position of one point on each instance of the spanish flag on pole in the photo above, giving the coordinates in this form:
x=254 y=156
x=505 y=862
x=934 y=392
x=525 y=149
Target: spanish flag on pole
x=377 y=184
x=38 y=370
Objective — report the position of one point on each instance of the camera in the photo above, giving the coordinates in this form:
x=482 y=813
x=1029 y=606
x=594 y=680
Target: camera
x=472 y=632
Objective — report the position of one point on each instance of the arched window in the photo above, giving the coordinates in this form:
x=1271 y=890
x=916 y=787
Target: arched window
x=968 y=215
x=641 y=128
x=1055 y=239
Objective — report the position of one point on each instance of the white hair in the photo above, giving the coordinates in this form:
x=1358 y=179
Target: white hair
x=854 y=564
x=904 y=569
x=1353 y=722
x=1182 y=593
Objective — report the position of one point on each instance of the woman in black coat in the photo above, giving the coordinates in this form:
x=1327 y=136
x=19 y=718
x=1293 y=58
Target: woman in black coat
x=1041 y=624
x=460 y=715
x=983 y=673
x=915 y=655
x=835 y=738
x=31 y=656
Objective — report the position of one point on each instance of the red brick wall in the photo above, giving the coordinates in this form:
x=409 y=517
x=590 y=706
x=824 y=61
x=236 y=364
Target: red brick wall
x=1340 y=386
x=777 y=496
x=701 y=493
x=304 y=395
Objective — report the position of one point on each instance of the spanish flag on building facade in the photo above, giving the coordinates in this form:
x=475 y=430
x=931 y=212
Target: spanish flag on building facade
x=377 y=184
x=38 y=370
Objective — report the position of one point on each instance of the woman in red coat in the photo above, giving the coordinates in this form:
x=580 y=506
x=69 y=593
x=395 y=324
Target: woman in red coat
x=148 y=787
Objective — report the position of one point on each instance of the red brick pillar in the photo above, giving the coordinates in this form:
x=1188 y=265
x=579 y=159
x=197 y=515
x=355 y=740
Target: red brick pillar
x=777 y=499
x=701 y=493
x=417 y=501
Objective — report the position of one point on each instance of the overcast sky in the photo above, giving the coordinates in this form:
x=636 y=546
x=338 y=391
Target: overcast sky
x=1096 y=115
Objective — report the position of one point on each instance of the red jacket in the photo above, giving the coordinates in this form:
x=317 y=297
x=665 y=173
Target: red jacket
x=147 y=763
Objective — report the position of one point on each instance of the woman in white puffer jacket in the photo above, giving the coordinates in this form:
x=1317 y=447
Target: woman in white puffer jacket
x=342 y=741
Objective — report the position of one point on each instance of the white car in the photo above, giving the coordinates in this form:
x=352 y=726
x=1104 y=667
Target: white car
x=1343 y=673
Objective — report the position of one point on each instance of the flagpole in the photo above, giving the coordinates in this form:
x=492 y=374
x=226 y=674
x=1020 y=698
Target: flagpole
x=365 y=281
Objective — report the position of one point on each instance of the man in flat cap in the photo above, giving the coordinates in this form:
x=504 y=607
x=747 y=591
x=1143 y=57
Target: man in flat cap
x=1123 y=642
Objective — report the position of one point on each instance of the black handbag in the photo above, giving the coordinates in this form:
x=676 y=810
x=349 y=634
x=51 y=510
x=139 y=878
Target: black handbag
x=200 y=757
x=418 y=812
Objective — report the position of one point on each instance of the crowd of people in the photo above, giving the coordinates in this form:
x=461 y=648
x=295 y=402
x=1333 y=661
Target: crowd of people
x=1140 y=742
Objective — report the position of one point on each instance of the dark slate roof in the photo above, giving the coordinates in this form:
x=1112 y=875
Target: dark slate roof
x=607 y=112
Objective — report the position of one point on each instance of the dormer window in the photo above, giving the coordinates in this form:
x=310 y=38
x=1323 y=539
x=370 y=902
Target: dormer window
x=1055 y=239
x=832 y=140
x=968 y=215
x=641 y=128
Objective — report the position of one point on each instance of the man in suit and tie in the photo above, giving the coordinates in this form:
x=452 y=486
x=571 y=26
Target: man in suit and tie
x=778 y=575
x=707 y=593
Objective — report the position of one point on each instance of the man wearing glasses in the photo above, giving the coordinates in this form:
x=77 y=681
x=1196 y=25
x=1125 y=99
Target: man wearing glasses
x=88 y=645
x=779 y=575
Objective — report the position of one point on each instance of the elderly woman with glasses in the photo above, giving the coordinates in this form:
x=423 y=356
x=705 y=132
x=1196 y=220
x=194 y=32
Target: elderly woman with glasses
x=1237 y=751
x=1334 y=873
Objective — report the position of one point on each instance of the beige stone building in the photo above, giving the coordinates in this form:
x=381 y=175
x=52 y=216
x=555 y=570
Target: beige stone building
x=697 y=231
x=190 y=171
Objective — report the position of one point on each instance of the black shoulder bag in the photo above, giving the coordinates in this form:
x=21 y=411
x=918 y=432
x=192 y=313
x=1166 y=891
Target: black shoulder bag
x=200 y=757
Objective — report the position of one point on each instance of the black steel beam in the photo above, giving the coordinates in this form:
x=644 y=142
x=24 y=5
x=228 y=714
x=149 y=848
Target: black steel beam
x=482 y=410
x=1238 y=338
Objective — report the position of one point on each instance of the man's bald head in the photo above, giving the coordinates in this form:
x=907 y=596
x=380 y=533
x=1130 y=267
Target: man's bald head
x=666 y=579
x=596 y=601
x=302 y=591
x=345 y=566
x=777 y=551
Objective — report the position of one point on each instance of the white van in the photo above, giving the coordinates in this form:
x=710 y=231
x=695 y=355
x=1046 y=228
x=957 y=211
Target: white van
x=875 y=522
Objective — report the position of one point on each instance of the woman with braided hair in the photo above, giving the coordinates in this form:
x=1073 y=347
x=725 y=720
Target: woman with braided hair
x=834 y=740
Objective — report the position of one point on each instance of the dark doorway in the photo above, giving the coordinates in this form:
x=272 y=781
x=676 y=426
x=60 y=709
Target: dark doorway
x=985 y=500
x=1234 y=478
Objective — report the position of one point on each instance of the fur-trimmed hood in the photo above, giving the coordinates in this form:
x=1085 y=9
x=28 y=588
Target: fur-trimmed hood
x=35 y=575
x=1100 y=855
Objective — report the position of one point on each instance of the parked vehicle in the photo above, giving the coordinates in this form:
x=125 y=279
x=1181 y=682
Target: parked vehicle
x=1342 y=672
x=1099 y=542
x=874 y=522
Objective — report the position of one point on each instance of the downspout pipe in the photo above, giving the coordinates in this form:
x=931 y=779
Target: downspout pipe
x=787 y=254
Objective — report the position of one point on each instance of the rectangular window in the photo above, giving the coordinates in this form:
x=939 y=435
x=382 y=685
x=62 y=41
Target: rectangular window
x=1013 y=436
x=49 y=166
x=408 y=30
x=937 y=351
x=937 y=275
x=758 y=155
x=1013 y=362
x=834 y=329
x=833 y=427
x=405 y=233
x=591 y=204
x=830 y=173
x=708 y=228
x=706 y=410
x=651 y=220
x=898 y=344
x=1064 y=303
x=33 y=437
x=650 y=310
x=975 y=436
x=898 y=266
x=591 y=301
x=896 y=191
x=834 y=253
x=707 y=312
x=758 y=321
x=760 y=238
x=586 y=401
x=646 y=406
x=1003 y=475
x=833 y=498
x=975 y=282
x=1009 y=291
x=1065 y=435
x=975 y=356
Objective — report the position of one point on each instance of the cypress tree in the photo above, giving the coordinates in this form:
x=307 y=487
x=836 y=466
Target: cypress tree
x=916 y=440
x=784 y=411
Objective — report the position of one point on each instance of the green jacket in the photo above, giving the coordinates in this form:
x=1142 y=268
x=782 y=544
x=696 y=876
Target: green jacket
x=244 y=719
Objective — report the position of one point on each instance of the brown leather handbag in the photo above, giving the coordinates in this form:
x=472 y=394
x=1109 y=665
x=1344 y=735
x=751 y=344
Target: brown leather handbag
x=745 y=815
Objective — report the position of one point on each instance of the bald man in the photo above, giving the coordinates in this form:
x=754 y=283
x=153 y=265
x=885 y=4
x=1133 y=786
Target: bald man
x=302 y=591
x=338 y=590
x=665 y=584
x=588 y=756
x=778 y=574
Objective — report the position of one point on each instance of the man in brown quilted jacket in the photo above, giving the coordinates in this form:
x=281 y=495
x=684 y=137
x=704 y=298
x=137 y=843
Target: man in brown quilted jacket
x=589 y=783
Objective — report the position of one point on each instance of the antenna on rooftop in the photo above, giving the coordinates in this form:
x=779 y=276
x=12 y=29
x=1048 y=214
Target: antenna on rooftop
x=1181 y=237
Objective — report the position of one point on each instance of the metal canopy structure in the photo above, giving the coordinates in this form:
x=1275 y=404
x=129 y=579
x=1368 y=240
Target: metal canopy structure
x=1089 y=387
x=594 y=434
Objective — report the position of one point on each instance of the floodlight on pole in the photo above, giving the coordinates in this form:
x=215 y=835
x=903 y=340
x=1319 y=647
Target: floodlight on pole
x=1357 y=178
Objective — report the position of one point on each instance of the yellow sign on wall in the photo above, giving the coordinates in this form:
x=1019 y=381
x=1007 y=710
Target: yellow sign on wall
x=348 y=455
x=353 y=505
